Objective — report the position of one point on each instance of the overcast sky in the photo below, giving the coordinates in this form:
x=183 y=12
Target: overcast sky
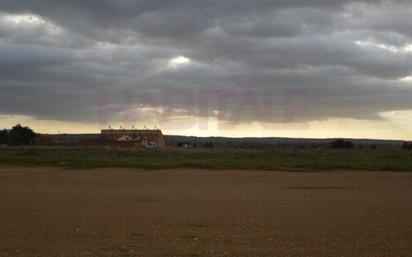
x=313 y=68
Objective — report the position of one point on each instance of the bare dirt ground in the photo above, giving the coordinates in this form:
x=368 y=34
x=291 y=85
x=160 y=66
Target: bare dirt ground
x=121 y=213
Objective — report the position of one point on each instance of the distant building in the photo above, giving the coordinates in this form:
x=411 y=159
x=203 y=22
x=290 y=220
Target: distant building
x=43 y=139
x=185 y=145
x=133 y=138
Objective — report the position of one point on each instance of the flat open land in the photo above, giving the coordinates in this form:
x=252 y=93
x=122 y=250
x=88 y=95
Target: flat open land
x=384 y=159
x=129 y=212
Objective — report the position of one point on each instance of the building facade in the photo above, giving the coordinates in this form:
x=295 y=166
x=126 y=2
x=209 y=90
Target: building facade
x=133 y=138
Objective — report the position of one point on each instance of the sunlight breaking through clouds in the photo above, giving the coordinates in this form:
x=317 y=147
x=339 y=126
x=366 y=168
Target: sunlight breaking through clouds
x=178 y=61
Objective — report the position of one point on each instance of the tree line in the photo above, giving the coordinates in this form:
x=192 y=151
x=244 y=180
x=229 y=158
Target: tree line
x=18 y=135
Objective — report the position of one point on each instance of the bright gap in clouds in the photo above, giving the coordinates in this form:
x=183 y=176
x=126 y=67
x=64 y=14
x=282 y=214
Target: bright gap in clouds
x=393 y=49
x=27 y=22
x=178 y=61
x=21 y=19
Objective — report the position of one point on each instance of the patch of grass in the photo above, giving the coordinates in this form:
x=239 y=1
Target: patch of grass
x=244 y=159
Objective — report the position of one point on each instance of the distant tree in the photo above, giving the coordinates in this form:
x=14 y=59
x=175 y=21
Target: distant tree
x=209 y=144
x=20 y=135
x=373 y=146
x=407 y=145
x=340 y=143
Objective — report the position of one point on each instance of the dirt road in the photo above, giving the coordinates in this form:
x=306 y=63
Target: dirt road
x=121 y=213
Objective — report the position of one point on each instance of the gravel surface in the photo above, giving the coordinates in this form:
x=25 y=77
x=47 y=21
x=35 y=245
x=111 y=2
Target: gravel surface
x=121 y=213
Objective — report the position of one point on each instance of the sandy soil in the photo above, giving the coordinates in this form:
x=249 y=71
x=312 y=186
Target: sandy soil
x=121 y=213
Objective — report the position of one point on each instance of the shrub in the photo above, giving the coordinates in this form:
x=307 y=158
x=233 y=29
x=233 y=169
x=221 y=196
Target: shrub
x=407 y=145
x=3 y=137
x=340 y=143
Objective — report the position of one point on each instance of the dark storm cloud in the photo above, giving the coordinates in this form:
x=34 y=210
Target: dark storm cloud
x=57 y=58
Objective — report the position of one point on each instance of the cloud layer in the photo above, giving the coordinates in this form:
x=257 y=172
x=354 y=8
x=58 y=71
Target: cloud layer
x=66 y=60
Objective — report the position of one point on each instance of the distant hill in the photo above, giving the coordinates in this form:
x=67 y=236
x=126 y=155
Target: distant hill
x=270 y=141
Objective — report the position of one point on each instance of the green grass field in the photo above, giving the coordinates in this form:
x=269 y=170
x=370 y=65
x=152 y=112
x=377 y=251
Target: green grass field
x=244 y=159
